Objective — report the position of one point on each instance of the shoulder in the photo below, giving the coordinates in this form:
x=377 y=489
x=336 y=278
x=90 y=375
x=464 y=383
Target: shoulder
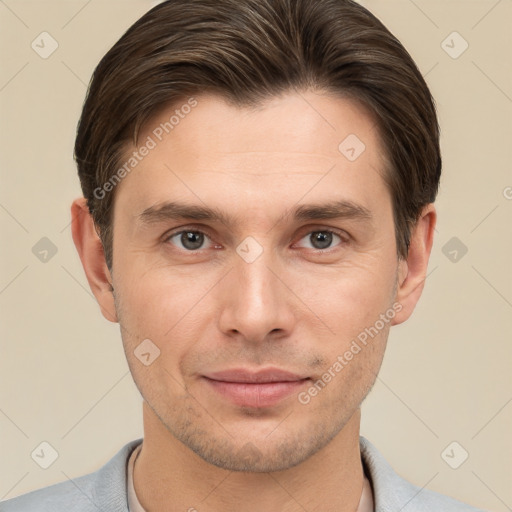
x=104 y=489
x=392 y=492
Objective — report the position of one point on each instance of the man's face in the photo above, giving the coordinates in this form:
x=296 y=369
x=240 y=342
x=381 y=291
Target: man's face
x=294 y=296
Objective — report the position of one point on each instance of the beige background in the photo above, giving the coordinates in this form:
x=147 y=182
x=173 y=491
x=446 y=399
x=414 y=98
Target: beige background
x=446 y=375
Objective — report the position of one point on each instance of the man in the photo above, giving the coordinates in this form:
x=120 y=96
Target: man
x=259 y=179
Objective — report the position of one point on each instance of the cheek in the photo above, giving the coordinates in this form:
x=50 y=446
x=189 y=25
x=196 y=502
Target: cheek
x=345 y=382
x=357 y=306
x=348 y=298
x=158 y=299
x=157 y=329
x=169 y=309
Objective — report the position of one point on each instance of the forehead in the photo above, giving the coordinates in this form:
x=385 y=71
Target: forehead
x=297 y=145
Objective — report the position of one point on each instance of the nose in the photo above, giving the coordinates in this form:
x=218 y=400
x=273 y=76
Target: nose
x=256 y=301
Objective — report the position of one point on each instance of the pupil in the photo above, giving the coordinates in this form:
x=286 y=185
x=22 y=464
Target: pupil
x=192 y=240
x=321 y=240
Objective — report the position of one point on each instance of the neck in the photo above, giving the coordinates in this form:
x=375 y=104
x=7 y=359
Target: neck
x=170 y=476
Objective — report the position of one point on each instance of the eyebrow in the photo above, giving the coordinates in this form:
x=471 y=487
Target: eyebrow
x=172 y=210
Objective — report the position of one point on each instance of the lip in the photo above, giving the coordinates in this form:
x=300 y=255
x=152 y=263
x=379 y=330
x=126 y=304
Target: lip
x=256 y=389
x=259 y=376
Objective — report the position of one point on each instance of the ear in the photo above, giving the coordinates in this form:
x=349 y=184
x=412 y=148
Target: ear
x=412 y=272
x=92 y=256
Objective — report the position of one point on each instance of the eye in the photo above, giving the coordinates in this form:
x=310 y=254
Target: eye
x=321 y=239
x=188 y=240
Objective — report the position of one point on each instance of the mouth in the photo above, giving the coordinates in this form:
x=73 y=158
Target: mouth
x=263 y=388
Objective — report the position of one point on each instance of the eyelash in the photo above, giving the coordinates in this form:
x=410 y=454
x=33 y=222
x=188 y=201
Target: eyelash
x=341 y=234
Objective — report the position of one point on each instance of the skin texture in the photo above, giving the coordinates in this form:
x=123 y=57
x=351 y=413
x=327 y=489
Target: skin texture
x=294 y=307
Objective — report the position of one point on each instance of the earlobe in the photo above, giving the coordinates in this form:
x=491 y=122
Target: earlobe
x=90 y=250
x=412 y=272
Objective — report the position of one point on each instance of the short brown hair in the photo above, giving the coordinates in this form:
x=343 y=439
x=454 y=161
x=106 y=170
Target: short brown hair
x=248 y=51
